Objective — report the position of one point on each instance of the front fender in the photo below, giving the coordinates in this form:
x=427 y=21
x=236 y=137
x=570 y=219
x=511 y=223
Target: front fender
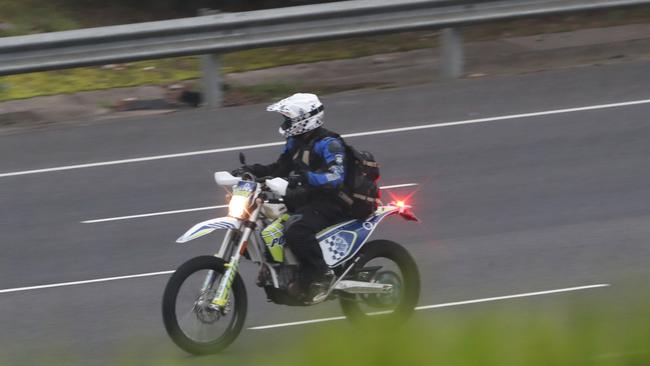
x=206 y=227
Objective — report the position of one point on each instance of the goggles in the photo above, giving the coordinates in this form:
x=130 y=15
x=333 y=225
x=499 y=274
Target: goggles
x=288 y=122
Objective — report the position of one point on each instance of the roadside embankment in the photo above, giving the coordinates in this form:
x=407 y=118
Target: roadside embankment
x=520 y=54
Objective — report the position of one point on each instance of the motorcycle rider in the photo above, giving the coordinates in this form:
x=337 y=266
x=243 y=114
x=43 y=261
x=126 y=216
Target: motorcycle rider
x=313 y=162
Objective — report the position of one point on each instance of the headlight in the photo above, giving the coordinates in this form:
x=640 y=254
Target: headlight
x=237 y=207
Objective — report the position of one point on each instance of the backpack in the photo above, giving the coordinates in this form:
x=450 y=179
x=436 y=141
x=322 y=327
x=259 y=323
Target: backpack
x=360 y=191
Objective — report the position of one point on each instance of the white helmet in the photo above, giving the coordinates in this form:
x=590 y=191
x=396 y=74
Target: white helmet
x=302 y=113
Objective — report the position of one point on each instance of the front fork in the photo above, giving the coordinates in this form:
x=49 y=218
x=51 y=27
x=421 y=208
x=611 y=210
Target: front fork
x=223 y=291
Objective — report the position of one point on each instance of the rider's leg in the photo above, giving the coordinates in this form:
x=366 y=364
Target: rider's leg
x=300 y=235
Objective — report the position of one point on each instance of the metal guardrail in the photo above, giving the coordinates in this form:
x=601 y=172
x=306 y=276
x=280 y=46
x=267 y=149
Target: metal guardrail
x=225 y=32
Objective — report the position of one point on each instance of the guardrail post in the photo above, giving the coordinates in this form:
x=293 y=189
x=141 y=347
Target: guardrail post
x=211 y=79
x=212 y=95
x=451 y=55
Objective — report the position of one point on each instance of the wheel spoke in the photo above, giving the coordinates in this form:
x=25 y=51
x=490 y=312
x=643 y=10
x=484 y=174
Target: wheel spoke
x=384 y=262
x=207 y=325
x=189 y=318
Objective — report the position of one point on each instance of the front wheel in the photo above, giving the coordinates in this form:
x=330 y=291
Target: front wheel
x=383 y=261
x=190 y=320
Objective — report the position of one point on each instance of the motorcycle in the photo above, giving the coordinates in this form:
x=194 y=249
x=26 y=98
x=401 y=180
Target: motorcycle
x=204 y=304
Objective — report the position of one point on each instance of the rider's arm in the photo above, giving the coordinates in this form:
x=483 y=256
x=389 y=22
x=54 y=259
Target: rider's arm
x=333 y=152
x=280 y=168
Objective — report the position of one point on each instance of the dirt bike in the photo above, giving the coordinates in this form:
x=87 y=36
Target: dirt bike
x=204 y=303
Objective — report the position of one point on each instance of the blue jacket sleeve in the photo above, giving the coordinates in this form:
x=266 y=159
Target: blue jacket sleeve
x=333 y=152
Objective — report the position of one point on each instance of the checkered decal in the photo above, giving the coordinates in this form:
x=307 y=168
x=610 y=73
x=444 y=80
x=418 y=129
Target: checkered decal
x=341 y=242
x=336 y=247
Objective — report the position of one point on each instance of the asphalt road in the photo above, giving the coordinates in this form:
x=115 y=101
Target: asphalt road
x=508 y=205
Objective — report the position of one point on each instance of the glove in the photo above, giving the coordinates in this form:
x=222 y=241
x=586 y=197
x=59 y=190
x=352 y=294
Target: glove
x=239 y=171
x=296 y=197
x=297 y=180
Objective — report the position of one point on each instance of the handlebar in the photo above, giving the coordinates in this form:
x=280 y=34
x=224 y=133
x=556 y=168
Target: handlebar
x=251 y=177
x=263 y=179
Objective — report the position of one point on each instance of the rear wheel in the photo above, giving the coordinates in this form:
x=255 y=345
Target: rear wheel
x=383 y=261
x=190 y=320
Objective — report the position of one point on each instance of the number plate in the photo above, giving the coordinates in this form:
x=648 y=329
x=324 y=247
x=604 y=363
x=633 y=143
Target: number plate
x=244 y=189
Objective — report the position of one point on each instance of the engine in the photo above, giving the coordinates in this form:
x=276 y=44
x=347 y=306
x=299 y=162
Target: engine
x=286 y=275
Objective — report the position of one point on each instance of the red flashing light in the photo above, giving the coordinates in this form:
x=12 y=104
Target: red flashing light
x=401 y=205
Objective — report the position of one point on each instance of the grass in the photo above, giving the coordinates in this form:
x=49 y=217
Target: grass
x=328 y=50
x=96 y=78
x=597 y=331
x=29 y=16
x=166 y=71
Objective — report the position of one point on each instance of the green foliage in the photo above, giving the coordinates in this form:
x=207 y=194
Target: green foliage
x=157 y=72
x=33 y=16
x=166 y=71
x=597 y=331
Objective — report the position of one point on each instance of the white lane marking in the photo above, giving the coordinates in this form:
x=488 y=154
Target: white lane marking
x=322 y=320
x=399 y=186
x=153 y=214
x=425 y=307
x=203 y=208
x=500 y=118
x=147 y=158
x=527 y=294
x=74 y=283
x=357 y=134
x=449 y=304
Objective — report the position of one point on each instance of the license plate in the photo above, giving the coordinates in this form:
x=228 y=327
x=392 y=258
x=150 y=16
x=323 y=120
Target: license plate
x=244 y=189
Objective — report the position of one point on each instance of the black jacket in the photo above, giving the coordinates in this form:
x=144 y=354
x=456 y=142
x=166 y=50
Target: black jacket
x=320 y=162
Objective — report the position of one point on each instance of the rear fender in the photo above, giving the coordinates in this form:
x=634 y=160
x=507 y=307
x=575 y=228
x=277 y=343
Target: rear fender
x=206 y=227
